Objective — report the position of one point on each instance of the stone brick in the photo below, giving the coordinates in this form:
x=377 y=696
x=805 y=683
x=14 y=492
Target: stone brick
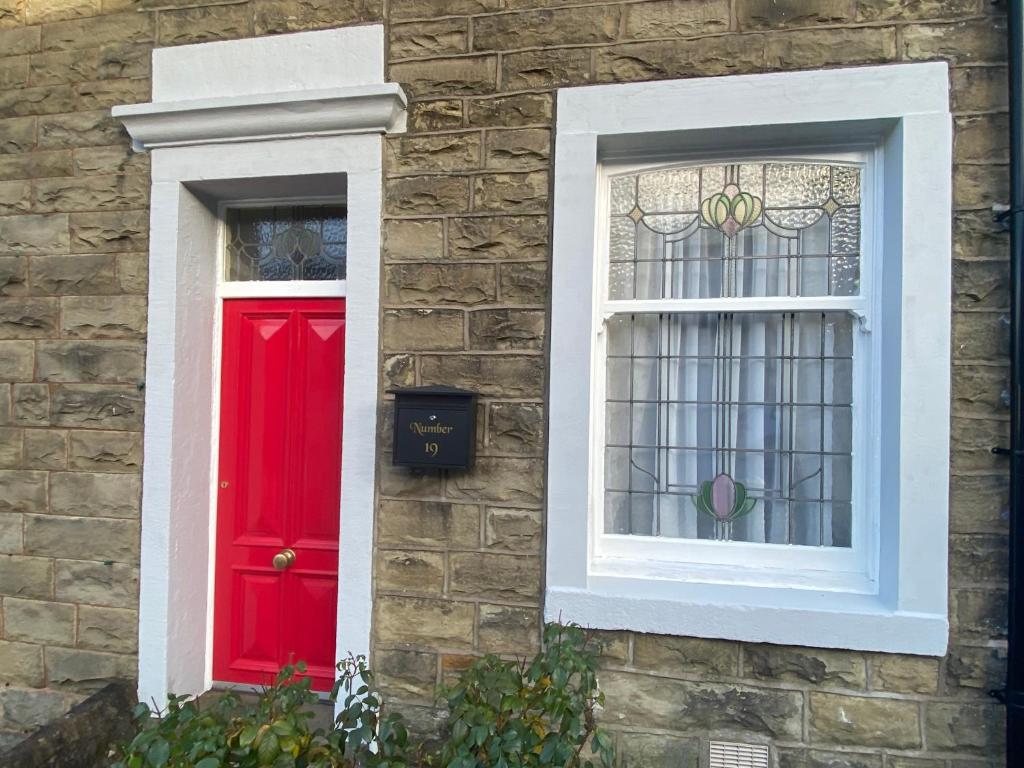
x=503 y=480
x=980 y=336
x=31 y=404
x=13 y=72
x=110 y=61
x=806 y=665
x=427 y=523
x=108 y=629
x=133 y=272
x=428 y=38
x=436 y=115
x=16 y=360
x=821 y=47
x=413 y=239
x=523 y=283
x=978 y=89
x=965 y=728
x=510 y=111
x=550 y=68
x=508 y=630
x=98 y=451
x=25 y=577
x=10 y=447
x=769 y=14
x=979 y=613
x=32 y=233
x=546 y=27
x=35 y=165
x=90 y=361
x=651 y=702
x=272 y=16
x=864 y=722
x=402 y=483
x=426 y=622
x=444 y=152
x=981 y=139
x=426 y=195
x=399 y=371
x=109 y=232
x=36 y=621
x=97 y=406
x=522 y=149
x=686 y=656
x=6 y=403
x=978 y=558
x=677 y=18
x=812 y=758
x=500 y=376
x=12 y=13
x=101 y=317
x=447 y=77
x=881 y=10
x=91 y=193
x=981 y=284
x=498 y=237
x=977 y=40
x=37 y=101
x=730 y=54
x=81 y=537
x=516 y=428
x=119 y=29
x=22 y=491
x=13 y=275
x=409 y=571
x=423 y=329
x=406 y=673
x=79 y=129
x=200 y=25
x=905 y=674
x=19 y=40
x=28 y=709
x=90 y=494
x=42 y=11
x=85 y=274
x=506 y=329
x=15 y=197
x=106 y=160
x=426 y=9
x=511 y=192
x=975 y=670
x=109 y=584
x=976 y=236
x=108 y=93
x=45 y=449
x=495 y=576
x=979 y=186
x=438 y=284
x=10 y=534
x=972 y=447
x=646 y=750
x=18 y=134
x=87 y=671
x=22 y=663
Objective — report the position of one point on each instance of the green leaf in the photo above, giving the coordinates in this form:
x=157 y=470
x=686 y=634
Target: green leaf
x=209 y=762
x=158 y=754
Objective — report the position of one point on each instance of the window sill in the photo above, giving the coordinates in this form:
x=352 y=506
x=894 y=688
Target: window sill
x=756 y=614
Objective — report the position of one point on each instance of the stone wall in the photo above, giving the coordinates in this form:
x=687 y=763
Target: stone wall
x=459 y=566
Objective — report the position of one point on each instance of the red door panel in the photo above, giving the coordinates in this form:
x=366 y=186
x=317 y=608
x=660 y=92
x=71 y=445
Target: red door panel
x=279 y=488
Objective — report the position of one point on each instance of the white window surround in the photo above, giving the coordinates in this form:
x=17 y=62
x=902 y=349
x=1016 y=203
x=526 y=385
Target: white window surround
x=233 y=152
x=899 y=111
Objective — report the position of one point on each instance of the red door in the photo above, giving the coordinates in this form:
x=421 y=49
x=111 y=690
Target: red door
x=279 y=489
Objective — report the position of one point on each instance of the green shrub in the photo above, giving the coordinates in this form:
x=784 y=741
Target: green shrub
x=502 y=714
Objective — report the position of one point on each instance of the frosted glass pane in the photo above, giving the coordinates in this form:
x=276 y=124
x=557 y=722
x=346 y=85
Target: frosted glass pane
x=286 y=243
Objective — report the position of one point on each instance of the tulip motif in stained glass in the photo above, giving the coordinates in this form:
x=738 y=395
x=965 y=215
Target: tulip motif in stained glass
x=730 y=210
x=723 y=500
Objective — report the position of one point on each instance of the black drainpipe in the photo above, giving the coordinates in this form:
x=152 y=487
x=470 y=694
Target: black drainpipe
x=1014 y=692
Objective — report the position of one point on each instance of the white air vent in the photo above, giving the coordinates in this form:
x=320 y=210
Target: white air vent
x=726 y=754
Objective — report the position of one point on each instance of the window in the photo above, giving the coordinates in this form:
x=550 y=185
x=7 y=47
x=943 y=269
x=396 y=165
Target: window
x=749 y=399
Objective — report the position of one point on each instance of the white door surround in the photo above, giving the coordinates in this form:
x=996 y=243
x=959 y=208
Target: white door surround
x=291 y=116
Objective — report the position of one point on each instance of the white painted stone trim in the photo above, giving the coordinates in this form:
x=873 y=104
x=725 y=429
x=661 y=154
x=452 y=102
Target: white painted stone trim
x=903 y=111
x=178 y=517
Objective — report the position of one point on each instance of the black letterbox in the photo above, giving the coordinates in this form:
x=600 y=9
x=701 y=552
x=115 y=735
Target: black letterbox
x=435 y=427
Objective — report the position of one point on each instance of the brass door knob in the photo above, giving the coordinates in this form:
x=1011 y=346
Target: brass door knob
x=283 y=559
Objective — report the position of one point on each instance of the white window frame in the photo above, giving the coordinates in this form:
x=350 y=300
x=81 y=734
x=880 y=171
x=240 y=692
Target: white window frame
x=888 y=591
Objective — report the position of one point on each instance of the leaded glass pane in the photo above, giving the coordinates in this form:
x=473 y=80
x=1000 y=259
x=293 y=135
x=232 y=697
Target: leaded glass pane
x=286 y=243
x=737 y=230
x=730 y=426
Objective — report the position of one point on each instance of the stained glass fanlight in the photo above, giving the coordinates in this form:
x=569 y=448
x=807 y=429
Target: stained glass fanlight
x=286 y=243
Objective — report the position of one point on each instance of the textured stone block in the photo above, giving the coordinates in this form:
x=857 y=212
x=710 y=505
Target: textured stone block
x=768 y=14
x=546 y=27
x=22 y=491
x=978 y=89
x=552 y=68
x=435 y=115
x=642 y=701
x=87 y=671
x=426 y=9
x=133 y=272
x=415 y=195
x=22 y=318
x=410 y=571
x=511 y=192
x=509 y=630
x=423 y=329
x=981 y=139
x=979 y=186
x=966 y=728
x=503 y=480
x=447 y=77
x=976 y=236
x=46 y=449
x=103 y=94
x=882 y=10
x=730 y=54
x=406 y=673
x=18 y=134
x=979 y=614
x=106 y=160
x=514 y=578
x=905 y=674
x=509 y=111
x=678 y=18
x=686 y=655
x=806 y=665
x=85 y=274
x=517 y=238
x=979 y=558
x=13 y=275
x=118 y=29
x=26 y=577
x=399 y=371
x=515 y=428
x=97 y=406
x=101 y=317
x=972 y=438
x=99 y=451
x=425 y=622
x=31 y=404
x=813 y=758
x=35 y=165
x=92 y=494
x=201 y=25
x=109 y=232
x=272 y=16
x=977 y=40
x=522 y=149
x=33 y=233
x=821 y=47
x=91 y=193
x=10 y=447
x=425 y=154
x=28 y=709
x=981 y=284
x=500 y=376
x=979 y=503
x=10 y=534
x=975 y=670
x=645 y=750
x=864 y=722
x=90 y=361
x=429 y=38
x=16 y=360
x=402 y=483
x=427 y=523
x=109 y=61
x=109 y=584
x=22 y=663
x=79 y=129
x=413 y=239
x=41 y=622
x=15 y=197
x=980 y=336
x=438 y=284
x=82 y=537
x=37 y=101
x=108 y=629
x=506 y=329
x=523 y=283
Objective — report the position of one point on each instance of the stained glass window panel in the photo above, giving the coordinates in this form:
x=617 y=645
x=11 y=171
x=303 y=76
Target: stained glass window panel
x=286 y=243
